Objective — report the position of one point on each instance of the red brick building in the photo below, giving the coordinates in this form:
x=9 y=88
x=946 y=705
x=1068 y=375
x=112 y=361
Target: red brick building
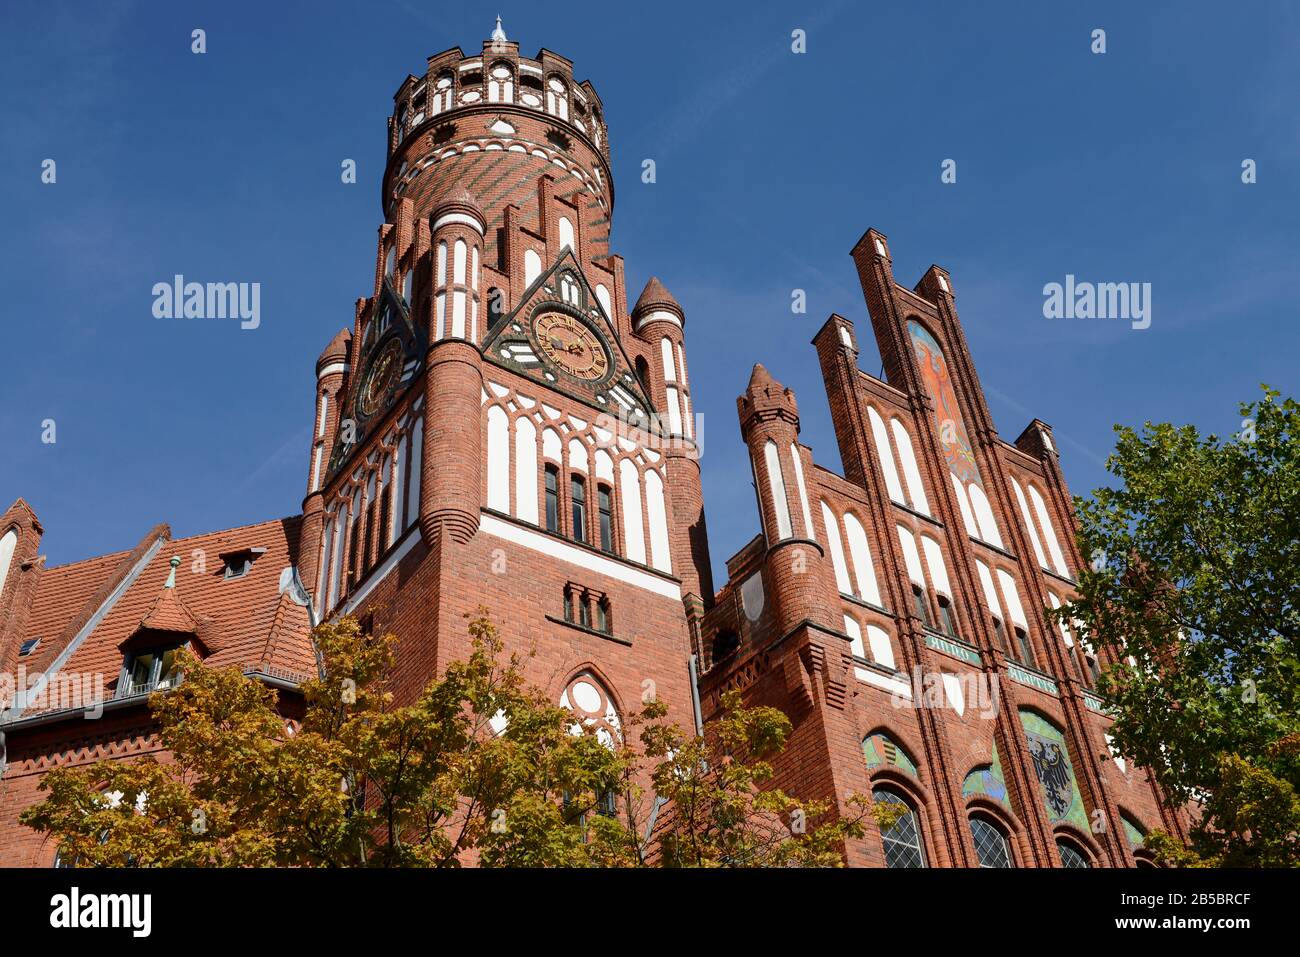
x=898 y=613
x=503 y=426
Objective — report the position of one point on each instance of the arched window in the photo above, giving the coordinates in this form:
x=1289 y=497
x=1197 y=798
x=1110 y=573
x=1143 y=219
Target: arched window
x=526 y=469
x=657 y=514
x=501 y=84
x=460 y=252
x=837 y=550
x=440 y=286
x=797 y=460
x=415 y=472
x=8 y=542
x=418 y=98
x=384 y=526
x=336 y=559
x=1071 y=855
x=569 y=288
x=552 y=499
x=991 y=845
x=629 y=491
x=886 y=454
x=1022 y=651
x=776 y=481
x=441 y=99
x=988 y=526
x=942 y=587
x=864 y=569
x=605 y=507
x=882 y=649
x=530 y=88
x=963 y=503
x=355 y=520
x=557 y=98
x=915 y=574
x=902 y=839
x=593 y=709
x=578 y=500
x=1049 y=532
x=532 y=267
x=473 y=296
x=322 y=579
x=674 y=412
x=915 y=488
x=566 y=234
x=1030 y=527
x=498 y=460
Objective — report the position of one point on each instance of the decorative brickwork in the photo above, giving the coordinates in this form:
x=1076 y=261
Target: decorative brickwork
x=499 y=427
x=930 y=581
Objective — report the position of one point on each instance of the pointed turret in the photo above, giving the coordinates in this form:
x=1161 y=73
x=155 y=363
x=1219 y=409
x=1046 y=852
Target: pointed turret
x=656 y=304
x=169 y=613
x=769 y=422
x=457 y=200
x=168 y=622
x=337 y=350
x=20 y=568
x=766 y=399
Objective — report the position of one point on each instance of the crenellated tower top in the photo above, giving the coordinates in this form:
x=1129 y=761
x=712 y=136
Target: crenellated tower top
x=509 y=117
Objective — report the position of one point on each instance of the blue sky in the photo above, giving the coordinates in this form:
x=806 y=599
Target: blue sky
x=1122 y=167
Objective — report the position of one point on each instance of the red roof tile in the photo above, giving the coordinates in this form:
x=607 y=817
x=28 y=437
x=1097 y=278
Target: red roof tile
x=244 y=622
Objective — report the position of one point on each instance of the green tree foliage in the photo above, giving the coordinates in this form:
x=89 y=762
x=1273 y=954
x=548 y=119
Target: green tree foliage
x=1194 y=584
x=480 y=768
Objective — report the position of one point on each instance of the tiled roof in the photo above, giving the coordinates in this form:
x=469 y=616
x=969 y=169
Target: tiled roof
x=655 y=293
x=67 y=597
x=246 y=621
x=169 y=613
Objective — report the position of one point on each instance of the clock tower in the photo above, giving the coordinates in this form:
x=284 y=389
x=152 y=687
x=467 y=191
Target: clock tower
x=499 y=427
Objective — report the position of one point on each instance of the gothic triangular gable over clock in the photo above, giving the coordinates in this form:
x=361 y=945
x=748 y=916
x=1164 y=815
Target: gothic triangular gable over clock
x=391 y=356
x=560 y=336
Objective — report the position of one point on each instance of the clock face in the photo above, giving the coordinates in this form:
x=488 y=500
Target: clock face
x=569 y=344
x=381 y=378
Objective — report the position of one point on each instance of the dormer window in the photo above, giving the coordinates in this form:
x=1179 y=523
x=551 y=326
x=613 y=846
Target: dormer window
x=146 y=671
x=238 y=562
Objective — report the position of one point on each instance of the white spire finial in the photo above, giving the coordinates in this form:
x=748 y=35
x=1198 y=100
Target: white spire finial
x=499 y=35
